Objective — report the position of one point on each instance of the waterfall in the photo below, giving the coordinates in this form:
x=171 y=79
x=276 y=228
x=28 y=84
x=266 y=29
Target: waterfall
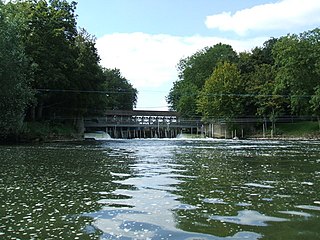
x=98 y=135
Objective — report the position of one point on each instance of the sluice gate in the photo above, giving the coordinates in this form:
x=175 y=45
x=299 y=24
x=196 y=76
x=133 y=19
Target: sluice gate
x=142 y=124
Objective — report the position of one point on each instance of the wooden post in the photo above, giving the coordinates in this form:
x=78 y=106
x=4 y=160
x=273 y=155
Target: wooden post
x=212 y=130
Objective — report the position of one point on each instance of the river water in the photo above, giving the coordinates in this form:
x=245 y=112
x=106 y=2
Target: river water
x=161 y=189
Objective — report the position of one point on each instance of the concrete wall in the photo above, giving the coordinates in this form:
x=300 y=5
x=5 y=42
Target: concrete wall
x=222 y=130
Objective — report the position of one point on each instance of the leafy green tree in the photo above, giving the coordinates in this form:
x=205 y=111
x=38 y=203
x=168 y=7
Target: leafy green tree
x=15 y=93
x=121 y=94
x=315 y=104
x=263 y=55
x=221 y=96
x=174 y=95
x=182 y=98
x=314 y=38
x=251 y=64
x=88 y=79
x=197 y=68
x=187 y=105
x=50 y=43
x=193 y=72
x=268 y=104
x=296 y=76
x=40 y=42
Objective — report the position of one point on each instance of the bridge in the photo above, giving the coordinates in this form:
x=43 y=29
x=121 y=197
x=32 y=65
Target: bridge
x=142 y=124
x=166 y=124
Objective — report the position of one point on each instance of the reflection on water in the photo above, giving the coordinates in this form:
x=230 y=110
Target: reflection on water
x=249 y=217
x=161 y=189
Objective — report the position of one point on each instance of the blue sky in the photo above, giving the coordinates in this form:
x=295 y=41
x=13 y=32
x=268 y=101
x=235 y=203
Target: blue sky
x=145 y=39
x=175 y=17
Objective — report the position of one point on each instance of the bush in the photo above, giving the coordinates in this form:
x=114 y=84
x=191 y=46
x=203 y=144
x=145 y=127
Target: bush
x=298 y=129
x=46 y=131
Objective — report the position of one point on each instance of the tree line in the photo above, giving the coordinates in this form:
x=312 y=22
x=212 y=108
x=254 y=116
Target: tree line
x=50 y=67
x=281 y=78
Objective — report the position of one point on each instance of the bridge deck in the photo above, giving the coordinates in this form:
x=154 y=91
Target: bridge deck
x=129 y=124
x=141 y=113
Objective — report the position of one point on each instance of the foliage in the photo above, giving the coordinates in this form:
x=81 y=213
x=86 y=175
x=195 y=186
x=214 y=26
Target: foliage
x=46 y=59
x=257 y=73
x=40 y=131
x=315 y=102
x=279 y=79
x=88 y=78
x=221 y=94
x=296 y=77
x=50 y=43
x=197 y=68
x=193 y=73
x=268 y=104
x=15 y=76
x=68 y=65
x=121 y=94
x=299 y=129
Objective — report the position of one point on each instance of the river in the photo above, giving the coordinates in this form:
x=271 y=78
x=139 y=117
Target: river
x=161 y=189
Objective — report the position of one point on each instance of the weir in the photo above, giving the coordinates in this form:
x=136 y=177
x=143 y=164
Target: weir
x=142 y=124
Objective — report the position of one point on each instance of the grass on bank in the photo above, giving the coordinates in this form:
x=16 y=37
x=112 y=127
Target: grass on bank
x=298 y=129
x=46 y=131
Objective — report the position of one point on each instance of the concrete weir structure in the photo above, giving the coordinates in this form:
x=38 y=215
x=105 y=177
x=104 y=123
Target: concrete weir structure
x=142 y=124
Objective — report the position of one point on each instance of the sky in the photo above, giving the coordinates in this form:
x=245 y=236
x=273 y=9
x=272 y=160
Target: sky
x=145 y=39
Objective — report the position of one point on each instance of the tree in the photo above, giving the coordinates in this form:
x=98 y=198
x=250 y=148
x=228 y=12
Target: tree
x=88 y=79
x=15 y=94
x=315 y=104
x=197 y=68
x=40 y=42
x=267 y=102
x=259 y=62
x=50 y=44
x=221 y=96
x=314 y=38
x=193 y=72
x=121 y=94
x=296 y=76
x=181 y=98
x=187 y=105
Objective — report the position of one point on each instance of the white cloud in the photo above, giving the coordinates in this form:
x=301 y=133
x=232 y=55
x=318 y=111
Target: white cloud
x=282 y=15
x=150 y=60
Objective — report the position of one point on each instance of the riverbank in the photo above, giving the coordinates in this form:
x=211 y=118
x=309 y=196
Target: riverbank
x=306 y=130
x=49 y=132
x=33 y=132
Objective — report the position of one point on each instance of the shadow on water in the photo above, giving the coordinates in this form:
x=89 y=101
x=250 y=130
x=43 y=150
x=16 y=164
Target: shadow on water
x=161 y=189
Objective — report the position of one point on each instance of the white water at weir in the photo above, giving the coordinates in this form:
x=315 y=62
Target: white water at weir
x=191 y=136
x=99 y=135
